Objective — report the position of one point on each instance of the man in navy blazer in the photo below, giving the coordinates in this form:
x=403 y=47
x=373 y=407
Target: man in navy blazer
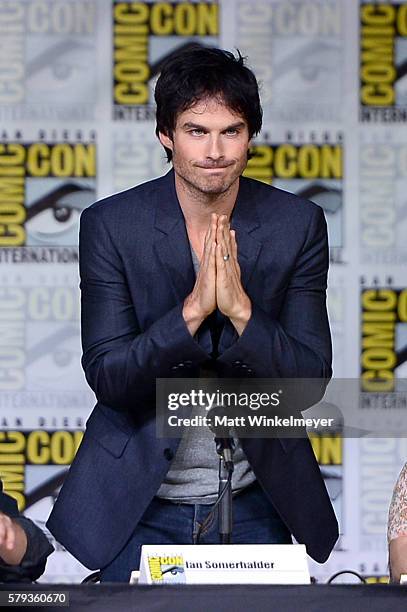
x=199 y=269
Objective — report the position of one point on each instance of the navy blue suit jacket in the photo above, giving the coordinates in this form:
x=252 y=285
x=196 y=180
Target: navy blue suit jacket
x=136 y=270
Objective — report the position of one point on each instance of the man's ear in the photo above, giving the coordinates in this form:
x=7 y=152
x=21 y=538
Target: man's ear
x=165 y=140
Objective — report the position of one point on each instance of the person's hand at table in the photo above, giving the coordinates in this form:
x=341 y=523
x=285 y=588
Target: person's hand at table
x=13 y=540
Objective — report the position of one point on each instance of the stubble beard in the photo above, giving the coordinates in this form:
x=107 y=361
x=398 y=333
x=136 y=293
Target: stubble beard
x=210 y=187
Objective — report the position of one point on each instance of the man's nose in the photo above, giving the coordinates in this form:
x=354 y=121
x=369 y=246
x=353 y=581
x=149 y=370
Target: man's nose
x=215 y=149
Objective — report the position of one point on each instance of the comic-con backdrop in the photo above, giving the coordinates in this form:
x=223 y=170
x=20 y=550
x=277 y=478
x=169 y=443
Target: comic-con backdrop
x=77 y=124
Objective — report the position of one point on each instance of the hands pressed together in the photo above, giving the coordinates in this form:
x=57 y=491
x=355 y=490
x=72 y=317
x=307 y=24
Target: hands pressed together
x=218 y=283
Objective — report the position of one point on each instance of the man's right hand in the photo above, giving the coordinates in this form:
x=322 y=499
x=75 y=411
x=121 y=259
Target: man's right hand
x=202 y=300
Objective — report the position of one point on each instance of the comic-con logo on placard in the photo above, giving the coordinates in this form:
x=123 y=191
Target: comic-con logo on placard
x=145 y=34
x=296 y=48
x=382 y=198
x=383 y=61
x=383 y=341
x=44 y=186
x=313 y=170
x=167 y=570
x=47 y=60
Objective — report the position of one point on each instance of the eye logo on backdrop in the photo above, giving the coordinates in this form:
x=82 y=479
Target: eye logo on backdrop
x=312 y=170
x=44 y=186
x=145 y=34
x=48 y=54
x=383 y=61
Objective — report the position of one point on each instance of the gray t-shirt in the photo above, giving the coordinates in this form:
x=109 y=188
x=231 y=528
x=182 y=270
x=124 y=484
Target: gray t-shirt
x=193 y=475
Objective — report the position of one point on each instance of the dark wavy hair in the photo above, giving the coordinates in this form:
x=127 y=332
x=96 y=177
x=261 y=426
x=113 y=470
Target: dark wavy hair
x=199 y=72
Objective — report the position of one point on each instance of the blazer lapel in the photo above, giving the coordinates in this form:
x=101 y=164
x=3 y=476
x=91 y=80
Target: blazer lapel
x=244 y=220
x=171 y=242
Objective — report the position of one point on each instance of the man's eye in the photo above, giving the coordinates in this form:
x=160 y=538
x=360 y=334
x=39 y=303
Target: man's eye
x=197 y=132
x=231 y=132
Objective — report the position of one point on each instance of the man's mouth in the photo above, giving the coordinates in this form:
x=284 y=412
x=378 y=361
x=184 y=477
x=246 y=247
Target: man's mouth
x=212 y=167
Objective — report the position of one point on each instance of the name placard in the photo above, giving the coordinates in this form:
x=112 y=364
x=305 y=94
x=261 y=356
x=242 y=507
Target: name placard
x=223 y=564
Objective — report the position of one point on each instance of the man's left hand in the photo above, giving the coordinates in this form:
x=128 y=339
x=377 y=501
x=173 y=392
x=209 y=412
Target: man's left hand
x=232 y=300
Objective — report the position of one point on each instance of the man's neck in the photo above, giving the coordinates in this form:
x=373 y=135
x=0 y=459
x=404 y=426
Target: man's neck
x=197 y=206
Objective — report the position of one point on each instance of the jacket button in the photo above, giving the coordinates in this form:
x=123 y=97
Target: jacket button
x=168 y=454
x=174 y=368
x=237 y=363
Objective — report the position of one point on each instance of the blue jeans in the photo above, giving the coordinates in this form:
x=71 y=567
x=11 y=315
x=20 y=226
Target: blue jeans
x=255 y=521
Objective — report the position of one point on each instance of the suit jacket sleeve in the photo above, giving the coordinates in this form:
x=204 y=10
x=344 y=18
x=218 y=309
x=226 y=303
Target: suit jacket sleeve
x=121 y=362
x=32 y=565
x=298 y=343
